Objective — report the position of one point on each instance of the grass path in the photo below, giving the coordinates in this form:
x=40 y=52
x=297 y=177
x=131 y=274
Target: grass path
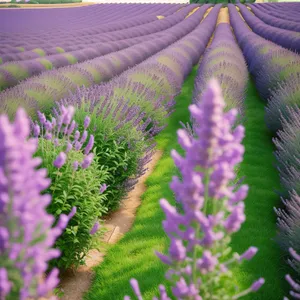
x=260 y=226
x=134 y=255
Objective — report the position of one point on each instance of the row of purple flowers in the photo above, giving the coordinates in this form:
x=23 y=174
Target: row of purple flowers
x=276 y=73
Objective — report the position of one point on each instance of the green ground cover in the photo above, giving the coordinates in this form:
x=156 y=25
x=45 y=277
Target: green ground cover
x=134 y=255
x=260 y=226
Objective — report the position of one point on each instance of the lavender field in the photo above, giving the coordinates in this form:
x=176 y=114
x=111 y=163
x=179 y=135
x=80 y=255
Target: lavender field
x=150 y=151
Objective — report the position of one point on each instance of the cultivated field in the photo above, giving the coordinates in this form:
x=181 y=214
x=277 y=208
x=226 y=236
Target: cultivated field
x=150 y=151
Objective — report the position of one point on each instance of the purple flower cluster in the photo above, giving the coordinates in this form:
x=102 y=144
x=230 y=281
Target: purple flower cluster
x=287 y=151
x=26 y=232
x=61 y=131
x=212 y=209
x=295 y=292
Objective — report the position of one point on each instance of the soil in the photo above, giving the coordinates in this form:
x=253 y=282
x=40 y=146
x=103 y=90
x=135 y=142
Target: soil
x=75 y=283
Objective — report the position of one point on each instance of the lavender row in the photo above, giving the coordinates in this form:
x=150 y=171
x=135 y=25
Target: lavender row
x=274 y=21
x=41 y=22
x=157 y=79
x=78 y=36
x=19 y=42
x=94 y=41
x=147 y=91
x=276 y=73
x=272 y=66
x=224 y=61
x=279 y=12
x=41 y=91
x=285 y=38
x=18 y=71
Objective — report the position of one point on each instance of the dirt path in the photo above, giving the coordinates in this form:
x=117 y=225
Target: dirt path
x=223 y=16
x=75 y=284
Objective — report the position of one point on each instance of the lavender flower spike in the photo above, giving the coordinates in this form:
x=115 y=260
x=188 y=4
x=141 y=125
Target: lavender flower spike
x=95 y=228
x=212 y=209
x=86 y=122
x=87 y=161
x=60 y=160
x=90 y=145
x=26 y=232
x=103 y=188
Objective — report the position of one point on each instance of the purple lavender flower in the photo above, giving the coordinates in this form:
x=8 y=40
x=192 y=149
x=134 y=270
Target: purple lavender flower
x=41 y=117
x=257 y=284
x=87 y=161
x=249 y=253
x=71 y=128
x=67 y=114
x=103 y=188
x=26 y=209
x=90 y=145
x=295 y=292
x=212 y=209
x=75 y=165
x=36 y=130
x=60 y=160
x=69 y=147
x=95 y=228
x=86 y=122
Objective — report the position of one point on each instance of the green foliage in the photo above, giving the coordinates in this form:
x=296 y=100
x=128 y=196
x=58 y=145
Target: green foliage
x=71 y=188
x=113 y=150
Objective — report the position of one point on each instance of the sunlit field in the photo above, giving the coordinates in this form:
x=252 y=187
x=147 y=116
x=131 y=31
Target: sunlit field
x=149 y=150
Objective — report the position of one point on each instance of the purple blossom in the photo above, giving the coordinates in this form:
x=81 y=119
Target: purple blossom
x=69 y=147
x=257 y=285
x=60 y=160
x=41 y=117
x=5 y=284
x=75 y=165
x=71 y=128
x=103 y=188
x=67 y=114
x=95 y=228
x=36 y=130
x=211 y=209
x=90 y=145
x=24 y=183
x=249 y=253
x=86 y=122
x=87 y=161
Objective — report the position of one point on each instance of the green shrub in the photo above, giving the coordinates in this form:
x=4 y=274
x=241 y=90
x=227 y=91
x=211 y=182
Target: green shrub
x=72 y=187
x=118 y=150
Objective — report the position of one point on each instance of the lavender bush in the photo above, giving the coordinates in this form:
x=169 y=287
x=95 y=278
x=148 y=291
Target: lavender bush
x=287 y=143
x=76 y=181
x=27 y=234
x=289 y=227
x=198 y=258
x=295 y=292
x=123 y=141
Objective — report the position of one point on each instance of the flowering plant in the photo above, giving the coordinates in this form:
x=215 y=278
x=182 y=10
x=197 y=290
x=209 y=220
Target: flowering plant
x=213 y=210
x=76 y=181
x=27 y=234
